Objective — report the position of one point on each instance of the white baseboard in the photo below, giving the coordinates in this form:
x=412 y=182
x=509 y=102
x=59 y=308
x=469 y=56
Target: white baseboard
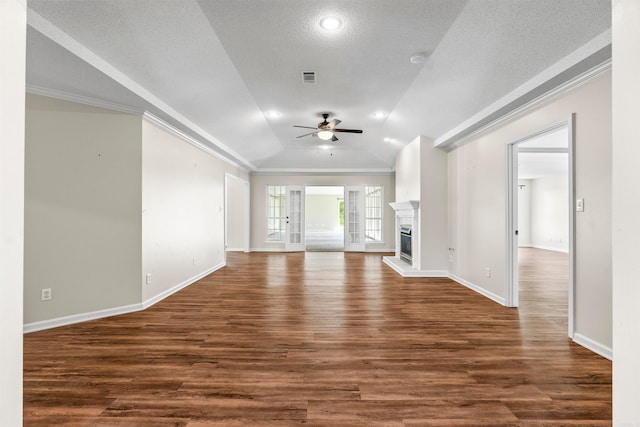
x=482 y=291
x=78 y=318
x=594 y=346
x=380 y=250
x=370 y=250
x=108 y=312
x=235 y=249
x=405 y=270
x=550 y=248
x=162 y=295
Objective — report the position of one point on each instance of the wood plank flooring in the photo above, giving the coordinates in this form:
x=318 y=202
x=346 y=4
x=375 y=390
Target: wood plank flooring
x=322 y=339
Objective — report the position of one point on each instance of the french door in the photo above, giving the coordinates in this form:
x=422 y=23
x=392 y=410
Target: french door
x=354 y=219
x=294 y=229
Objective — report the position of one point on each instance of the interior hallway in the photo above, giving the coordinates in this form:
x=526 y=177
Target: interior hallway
x=544 y=282
x=318 y=339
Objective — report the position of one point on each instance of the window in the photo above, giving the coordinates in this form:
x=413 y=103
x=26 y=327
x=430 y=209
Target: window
x=276 y=212
x=373 y=210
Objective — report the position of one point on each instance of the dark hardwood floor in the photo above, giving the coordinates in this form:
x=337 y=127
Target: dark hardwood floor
x=323 y=339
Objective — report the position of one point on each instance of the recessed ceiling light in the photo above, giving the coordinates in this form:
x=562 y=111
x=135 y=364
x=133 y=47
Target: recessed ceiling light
x=388 y=139
x=273 y=114
x=330 y=23
x=418 y=58
x=379 y=115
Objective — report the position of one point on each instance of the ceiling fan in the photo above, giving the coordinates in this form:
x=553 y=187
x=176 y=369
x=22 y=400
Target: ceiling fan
x=326 y=130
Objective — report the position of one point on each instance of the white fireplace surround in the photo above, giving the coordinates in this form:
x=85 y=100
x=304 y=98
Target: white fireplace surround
x=406 y=213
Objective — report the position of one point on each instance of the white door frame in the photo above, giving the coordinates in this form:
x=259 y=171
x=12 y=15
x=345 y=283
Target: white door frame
x=246 y=214
x=512 y=216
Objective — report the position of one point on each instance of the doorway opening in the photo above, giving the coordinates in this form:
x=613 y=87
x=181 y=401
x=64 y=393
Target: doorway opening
x=324 y=218
x=540 y=220
x=236 y=214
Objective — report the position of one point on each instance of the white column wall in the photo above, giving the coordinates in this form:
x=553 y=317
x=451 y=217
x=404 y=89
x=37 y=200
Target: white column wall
x=13 y=27
x=433 y=208
x=408 y=172
x=626 y=205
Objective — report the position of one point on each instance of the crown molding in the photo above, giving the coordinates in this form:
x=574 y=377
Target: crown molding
x=93 y=102
x=193 y=141
x=322 y=172
x=80 y=99
x=594 y=59
x=49 y=30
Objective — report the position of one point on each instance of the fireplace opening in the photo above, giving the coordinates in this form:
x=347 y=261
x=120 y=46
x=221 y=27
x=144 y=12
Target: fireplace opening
x=405 y=243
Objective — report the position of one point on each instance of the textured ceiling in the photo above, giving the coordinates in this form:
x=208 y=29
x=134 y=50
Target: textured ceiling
x=212 y=68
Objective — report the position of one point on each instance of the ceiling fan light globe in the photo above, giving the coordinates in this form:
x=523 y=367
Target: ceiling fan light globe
x=330 y=23
x=325 y=135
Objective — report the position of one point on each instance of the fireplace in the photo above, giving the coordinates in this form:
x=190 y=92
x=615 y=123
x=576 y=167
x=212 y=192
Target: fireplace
x=405 y=243
x=407 y=234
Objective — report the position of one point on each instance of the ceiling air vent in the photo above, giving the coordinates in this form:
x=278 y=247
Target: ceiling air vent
x=308 y=77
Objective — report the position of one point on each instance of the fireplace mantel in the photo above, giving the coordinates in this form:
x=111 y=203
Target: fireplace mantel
x=409 y=205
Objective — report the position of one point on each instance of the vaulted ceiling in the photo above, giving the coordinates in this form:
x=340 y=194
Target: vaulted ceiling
x=214 y=68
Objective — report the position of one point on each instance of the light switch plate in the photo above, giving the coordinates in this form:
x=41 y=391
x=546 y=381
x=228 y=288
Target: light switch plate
x=580 y=205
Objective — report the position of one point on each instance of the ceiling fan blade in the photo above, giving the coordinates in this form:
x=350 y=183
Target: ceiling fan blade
x=334 y=138
x=348 y=130
x=333 y=123
x=304 y=127
x=307 y=134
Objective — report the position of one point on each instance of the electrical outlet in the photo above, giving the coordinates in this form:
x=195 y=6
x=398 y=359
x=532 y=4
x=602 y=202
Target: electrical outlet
x=148 y=279
x=46 y=294
x=580 y=205
x=450 y=258
x=194 y=260
x=487 y=272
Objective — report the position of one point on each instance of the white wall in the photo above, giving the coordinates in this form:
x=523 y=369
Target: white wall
x=236 y=206
x=433 y=207
x=478 y=222
x=258 y=208
x=626 y=205
x=477 y=183
x=408 y=172
x=82 y=209
x=13 y=27
x=524 y=213
x=550 y=213
x=182 y=211
x=322 y=212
